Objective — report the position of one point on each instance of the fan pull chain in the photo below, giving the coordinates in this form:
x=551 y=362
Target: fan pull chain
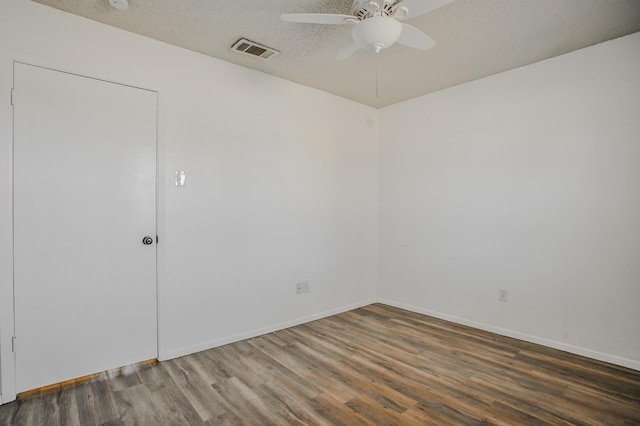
x=377 y=81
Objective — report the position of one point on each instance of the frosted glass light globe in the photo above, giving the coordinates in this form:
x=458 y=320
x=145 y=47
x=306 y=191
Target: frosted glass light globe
x=377 y=33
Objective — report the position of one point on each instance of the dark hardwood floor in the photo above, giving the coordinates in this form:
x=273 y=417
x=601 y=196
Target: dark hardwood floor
x=375 y=365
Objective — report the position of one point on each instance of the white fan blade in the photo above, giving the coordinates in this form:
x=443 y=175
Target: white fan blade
x=348 y=49
x=413 y=37
x=319 y=18
x=415 y=8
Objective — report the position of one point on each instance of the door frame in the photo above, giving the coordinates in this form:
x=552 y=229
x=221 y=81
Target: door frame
x=7 y=309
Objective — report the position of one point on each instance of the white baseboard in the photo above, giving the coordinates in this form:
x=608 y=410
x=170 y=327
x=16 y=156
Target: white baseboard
x=612 y=359
x=264 y=330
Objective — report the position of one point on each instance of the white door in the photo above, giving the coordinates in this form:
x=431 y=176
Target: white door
x=84 y=199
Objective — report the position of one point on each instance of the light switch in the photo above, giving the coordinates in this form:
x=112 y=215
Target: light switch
x=180 y=178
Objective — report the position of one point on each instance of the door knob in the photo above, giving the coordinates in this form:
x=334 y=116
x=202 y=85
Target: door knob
x=147 y=240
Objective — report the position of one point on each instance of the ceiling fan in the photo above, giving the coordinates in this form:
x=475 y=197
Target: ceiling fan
x=376 y=24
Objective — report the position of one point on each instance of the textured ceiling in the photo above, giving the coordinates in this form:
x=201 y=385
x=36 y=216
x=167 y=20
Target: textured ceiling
x=475 y=38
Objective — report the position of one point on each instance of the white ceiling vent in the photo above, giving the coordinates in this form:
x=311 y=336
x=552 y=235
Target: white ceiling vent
x=252 y=48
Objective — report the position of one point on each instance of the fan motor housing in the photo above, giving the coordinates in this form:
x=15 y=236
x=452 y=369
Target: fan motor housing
x=364 y=9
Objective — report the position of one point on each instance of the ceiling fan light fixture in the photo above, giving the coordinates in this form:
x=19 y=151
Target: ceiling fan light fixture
x=377 y=33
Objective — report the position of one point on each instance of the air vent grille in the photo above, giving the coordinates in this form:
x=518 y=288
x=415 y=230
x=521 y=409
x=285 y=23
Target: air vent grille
x=252 y=48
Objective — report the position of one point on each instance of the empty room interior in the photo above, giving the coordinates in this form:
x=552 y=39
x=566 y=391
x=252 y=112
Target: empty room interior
x=319 y=212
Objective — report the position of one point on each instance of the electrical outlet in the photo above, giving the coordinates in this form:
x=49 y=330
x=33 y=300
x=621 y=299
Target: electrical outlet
x=503 y=295
x=303 y=287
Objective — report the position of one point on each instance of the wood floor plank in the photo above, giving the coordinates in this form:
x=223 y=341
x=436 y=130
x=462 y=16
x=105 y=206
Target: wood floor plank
x=376 y=365
x=325 y=380
x=287 y=406
x=230 y=356
x=69 y=413
x=335 y=412
x=373 y=411
x=132 y=412
x=245 y=404
x=170 y=411
x=196 y=390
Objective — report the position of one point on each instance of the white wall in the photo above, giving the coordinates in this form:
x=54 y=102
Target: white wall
x=527 y=181
x=281 y=183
